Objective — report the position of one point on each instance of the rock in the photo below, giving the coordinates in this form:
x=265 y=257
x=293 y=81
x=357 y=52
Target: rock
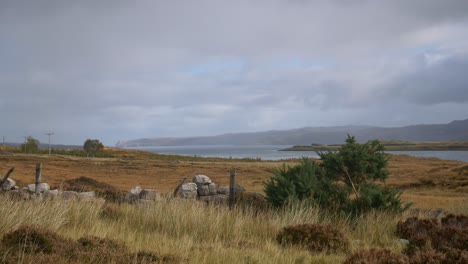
x=201 y=179
x=212 y=189
x=188 y=191
x=135 y=190
x=132 y=198
x=238 y=189
x=70 y=195
x=50 y=195
x=42 y=187
x=223 y=190
x=216 y=199
x=150 y=194
x=8 y=185
x=203 y=190
x=87 y=196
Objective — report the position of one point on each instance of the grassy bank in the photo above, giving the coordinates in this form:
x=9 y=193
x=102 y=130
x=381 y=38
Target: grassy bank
x=192 y=232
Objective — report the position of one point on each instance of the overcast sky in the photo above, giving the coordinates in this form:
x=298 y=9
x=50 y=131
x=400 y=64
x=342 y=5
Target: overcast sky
x=116 y=70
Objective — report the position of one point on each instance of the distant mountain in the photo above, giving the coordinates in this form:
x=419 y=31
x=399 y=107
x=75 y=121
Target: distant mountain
x=454 y=131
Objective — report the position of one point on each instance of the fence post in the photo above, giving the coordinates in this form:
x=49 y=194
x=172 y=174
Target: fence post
x=38 y=176
x=232 y=183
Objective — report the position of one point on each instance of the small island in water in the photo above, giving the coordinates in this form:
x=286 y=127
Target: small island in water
x=393 y=145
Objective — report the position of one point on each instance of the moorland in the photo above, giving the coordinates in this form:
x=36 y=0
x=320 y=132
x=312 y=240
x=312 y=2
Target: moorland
x=182 y=231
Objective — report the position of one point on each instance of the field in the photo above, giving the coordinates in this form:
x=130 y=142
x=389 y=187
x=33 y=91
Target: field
x=179 y=231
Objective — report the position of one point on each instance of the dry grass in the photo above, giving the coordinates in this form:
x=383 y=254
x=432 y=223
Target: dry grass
x=196 y=233
x=193 y=232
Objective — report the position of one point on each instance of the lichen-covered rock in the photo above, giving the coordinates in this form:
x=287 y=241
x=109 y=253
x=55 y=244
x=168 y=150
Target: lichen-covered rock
x=188 y=191
x=136 y=190
x=42 y=187
x=201 y=179
x=9 y=184
x=87 y=196
x=203 y=190
x=212 y=189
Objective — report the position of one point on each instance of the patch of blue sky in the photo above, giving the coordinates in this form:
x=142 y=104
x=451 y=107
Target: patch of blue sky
x=425 y=49
x=298 y=63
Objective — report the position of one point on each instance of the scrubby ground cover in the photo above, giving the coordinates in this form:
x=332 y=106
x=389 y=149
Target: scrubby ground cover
x=185 y=231
x=193 y=232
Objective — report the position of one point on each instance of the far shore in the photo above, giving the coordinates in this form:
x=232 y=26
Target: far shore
x=393 y=146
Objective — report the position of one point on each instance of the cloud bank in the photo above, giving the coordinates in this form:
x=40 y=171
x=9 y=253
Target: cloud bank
x=127 y=69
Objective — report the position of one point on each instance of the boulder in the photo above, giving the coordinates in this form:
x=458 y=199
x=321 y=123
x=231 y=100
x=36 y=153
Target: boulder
x=203 y=190
x=8 y=185
x=70 y=195
x=42 y=187
x=212 y=189
x=188 y=191
x=238 y=189
x=135 y=190
x=87 y=196
x=223 y=190
x=50 y=195
x=150 y=194
x=201 y=179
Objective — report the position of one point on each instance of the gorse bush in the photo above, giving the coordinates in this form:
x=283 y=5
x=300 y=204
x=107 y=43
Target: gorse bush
x=314 y=237
x=344 y=181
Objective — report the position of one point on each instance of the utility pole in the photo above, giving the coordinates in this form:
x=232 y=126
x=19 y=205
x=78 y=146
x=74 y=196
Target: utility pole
x=3 y=149
x=49 y=134
x=25 y=144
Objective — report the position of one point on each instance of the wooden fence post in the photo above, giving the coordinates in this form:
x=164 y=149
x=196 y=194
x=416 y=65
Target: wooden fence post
x=232 y=183
x=2 y=181
x=38 y=176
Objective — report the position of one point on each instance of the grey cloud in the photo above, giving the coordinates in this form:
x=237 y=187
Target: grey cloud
x=119 y=69
x=441 y=82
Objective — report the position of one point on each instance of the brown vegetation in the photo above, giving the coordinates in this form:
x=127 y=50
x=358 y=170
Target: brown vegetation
x=40 y=245
x=315 y=238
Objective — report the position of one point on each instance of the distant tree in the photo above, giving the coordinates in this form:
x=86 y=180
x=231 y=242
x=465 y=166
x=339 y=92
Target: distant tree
x=30 y=146
x=92 y=146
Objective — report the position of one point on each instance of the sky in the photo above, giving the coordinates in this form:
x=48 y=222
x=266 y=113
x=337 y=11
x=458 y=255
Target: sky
x=118 y=70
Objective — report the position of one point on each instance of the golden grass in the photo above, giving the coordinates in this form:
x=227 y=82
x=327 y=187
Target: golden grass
x=196 y=233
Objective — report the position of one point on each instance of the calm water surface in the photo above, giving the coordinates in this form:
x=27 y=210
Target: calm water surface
x=270 y=152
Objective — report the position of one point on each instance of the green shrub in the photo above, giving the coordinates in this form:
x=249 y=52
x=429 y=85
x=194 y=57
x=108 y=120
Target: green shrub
x=376 y=256
x=344 y=181
x=292 y=183
x=316 y=238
